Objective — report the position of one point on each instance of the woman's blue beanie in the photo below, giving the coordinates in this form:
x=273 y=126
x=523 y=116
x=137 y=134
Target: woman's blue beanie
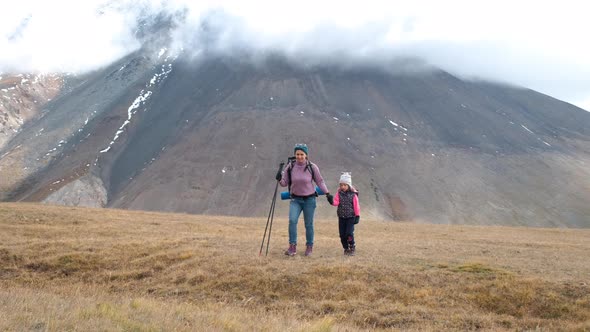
x=301 y=147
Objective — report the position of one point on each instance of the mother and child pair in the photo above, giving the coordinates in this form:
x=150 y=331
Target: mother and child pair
x=299 y=175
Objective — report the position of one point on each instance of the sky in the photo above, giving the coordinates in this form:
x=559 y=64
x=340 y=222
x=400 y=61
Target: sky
x=535 y=44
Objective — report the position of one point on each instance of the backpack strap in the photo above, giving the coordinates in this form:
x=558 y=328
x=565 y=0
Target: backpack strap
x=289 y=168
x=309 y=167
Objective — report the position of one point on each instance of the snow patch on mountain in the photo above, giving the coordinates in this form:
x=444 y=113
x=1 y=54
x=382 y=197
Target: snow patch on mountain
x=143 y=97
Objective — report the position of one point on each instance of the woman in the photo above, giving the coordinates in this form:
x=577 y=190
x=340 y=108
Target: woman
x=300 y=174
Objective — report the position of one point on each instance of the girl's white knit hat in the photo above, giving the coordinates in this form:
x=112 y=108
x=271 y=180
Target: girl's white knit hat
x=346 y=178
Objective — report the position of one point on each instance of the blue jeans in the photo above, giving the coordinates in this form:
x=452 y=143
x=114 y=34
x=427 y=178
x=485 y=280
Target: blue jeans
x=308 y=207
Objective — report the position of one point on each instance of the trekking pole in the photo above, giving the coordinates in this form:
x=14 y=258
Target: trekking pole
x=269 y=221
x=270 y=216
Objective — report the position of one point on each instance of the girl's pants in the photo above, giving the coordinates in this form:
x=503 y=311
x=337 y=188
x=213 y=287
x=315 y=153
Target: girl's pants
x=346 y=227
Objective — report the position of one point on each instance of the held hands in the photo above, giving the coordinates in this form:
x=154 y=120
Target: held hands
x=330 y=198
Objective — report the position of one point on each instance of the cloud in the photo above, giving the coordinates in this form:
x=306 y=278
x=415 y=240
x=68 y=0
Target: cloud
x=62 y=36
x=536 y=44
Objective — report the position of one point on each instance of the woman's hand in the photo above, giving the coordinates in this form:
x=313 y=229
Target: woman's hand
x=330 y=198
x=279 y=175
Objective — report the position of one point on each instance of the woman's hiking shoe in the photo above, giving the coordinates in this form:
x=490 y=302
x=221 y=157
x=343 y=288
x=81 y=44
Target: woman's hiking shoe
x=308 y=250
x=292 y=251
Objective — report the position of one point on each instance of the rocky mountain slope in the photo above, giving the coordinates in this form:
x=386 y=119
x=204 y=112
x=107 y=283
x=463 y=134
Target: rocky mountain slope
x=159 y=132
x=21 y=97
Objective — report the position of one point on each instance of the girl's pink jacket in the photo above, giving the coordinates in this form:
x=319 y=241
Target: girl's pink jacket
x=355 y=202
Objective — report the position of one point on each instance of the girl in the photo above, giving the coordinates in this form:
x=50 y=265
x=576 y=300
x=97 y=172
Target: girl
x=347 y=201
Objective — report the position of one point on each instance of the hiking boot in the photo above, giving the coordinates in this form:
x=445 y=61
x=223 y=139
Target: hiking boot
x=292 y=250
x=308 y=250
x=346 y=252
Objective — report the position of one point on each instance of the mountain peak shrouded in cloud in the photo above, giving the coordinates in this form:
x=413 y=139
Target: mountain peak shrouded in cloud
x=537 y=45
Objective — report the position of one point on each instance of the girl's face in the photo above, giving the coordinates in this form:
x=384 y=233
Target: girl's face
x=344 y=187
x=300 y=156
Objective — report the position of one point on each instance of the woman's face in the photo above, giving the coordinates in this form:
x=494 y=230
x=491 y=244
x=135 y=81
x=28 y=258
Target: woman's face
x=344 y=187
x=300 y=156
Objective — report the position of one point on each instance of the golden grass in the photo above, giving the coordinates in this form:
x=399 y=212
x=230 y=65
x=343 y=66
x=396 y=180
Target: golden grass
x=64 y=268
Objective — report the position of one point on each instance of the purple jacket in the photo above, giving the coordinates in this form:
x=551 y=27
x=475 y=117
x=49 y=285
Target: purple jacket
x=301 y=181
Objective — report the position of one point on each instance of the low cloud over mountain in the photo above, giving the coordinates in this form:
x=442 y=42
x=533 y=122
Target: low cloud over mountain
x=503 y=41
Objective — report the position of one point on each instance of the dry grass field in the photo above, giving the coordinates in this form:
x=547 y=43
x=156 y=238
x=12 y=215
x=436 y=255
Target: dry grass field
x=79 y=269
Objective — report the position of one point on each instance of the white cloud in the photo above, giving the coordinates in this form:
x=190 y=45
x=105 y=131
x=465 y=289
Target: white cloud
x=537 y=44
x=62 y=36
x=584 y=103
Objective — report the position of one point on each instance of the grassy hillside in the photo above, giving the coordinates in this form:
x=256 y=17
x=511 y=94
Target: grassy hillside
x=64 y=268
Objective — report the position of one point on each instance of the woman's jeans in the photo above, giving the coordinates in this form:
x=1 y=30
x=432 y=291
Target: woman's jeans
x=306 y=205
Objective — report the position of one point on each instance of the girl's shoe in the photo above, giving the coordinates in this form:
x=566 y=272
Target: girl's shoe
x=351 y=250
x=292 y=251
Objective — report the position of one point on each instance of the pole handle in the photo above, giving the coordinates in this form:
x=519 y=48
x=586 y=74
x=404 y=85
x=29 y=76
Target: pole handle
x=281 y=166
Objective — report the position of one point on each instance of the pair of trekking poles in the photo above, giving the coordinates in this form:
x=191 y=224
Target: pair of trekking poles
x=270 y=218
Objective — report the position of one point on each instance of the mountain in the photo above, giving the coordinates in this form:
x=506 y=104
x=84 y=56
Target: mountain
x=157 y=131
x=21 y=98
